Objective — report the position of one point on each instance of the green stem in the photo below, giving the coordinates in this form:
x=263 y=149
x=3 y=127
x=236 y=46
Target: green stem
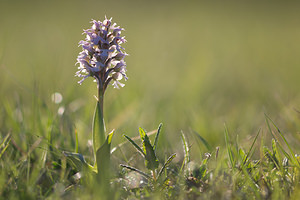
x=98 y=124
x=101 y=120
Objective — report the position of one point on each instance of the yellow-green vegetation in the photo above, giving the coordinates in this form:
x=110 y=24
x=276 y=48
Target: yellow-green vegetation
x=192 y=66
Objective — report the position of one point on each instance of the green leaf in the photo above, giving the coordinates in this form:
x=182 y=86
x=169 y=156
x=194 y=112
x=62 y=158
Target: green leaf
x=77 y=161
x=204 y=161
x=103 y=161
x=249 y=152
x=242 y=155
x=228 y=146
x=185 y=149
x=206 y=144
x=270 y=157
x=249 y=181
x=166 y=164
x=294 y=159
x=201 y=172
x=276 y=154
x=285 y=153
x=151 y=160
x=156 y=136
x=4 y=144
x=142 y=133
x=135 y=145
x=98 y=128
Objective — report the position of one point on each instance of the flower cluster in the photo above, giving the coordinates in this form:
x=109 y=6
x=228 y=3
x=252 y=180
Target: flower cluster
x=102 y=56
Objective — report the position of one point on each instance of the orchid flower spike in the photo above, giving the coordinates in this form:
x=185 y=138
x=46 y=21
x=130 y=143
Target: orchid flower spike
x=102 y=56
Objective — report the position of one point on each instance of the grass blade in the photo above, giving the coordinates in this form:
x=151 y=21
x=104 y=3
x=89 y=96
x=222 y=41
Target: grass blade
x=247 y=156
x=166 y=164
x=136 y=170
x=186 y=158
x=156 y=136
x=185 y=149
x=3 y=145
x=251 y=183
x=269 y=127
x=284 y=139
x=276 y=154
x=206 y=144
x=228 y=146
x=135 y=145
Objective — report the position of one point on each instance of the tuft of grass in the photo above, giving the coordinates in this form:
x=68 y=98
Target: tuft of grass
x=259 y=170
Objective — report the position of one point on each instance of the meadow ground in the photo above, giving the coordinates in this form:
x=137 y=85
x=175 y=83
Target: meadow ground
x=192 y=66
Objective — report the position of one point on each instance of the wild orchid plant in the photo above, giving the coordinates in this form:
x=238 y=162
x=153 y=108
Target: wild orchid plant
x=101 y=58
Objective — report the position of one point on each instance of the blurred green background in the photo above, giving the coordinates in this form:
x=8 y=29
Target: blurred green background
x=193 y=65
